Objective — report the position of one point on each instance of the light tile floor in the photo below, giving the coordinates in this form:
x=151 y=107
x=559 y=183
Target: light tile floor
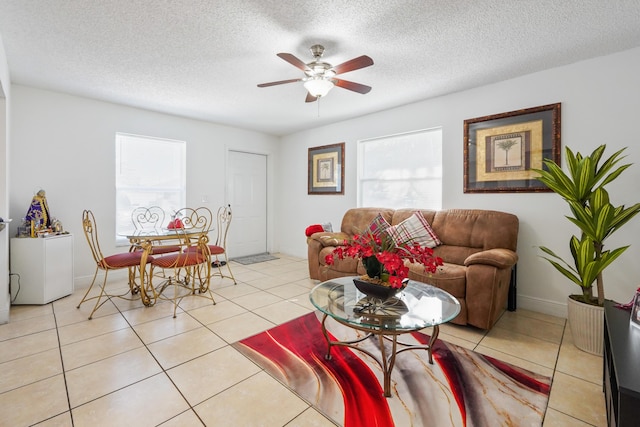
x=136 y=365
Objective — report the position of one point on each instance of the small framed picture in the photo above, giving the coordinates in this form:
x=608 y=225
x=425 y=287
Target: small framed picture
x=635 y=311
x=326 y=169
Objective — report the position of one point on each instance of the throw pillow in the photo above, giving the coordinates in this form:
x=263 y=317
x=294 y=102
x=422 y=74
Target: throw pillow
x=315 y=228
x=415 y=229
x=327 y=227
x=377 y=226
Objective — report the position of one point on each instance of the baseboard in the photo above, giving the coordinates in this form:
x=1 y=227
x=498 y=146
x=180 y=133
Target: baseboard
x=552 y=308
x=114 y=276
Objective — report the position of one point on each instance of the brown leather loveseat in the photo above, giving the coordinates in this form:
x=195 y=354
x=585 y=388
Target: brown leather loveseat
x=478 y=249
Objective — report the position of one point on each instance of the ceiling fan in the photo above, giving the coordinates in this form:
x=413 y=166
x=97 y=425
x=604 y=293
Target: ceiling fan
x=320 y=77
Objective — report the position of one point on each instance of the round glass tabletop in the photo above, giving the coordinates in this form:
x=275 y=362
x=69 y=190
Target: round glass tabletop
x=416 y=307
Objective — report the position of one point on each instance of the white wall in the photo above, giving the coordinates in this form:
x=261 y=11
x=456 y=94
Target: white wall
x=66 y=145
x=600 y=104
x=5 y=96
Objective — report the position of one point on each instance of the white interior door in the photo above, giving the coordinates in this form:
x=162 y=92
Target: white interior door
x=247 y=192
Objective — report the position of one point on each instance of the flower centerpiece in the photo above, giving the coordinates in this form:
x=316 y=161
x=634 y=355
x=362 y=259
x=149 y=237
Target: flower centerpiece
x=384 y=259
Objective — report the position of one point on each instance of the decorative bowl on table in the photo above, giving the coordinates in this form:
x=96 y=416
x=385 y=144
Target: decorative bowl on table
x=376 y=289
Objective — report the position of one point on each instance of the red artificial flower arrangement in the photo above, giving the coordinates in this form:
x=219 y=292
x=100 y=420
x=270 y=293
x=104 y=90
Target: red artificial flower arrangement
x=384 y=259
x=176 y=223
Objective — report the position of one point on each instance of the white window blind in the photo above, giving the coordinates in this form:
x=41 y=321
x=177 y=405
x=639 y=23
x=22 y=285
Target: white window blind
x=149 y=172
x=401 y=171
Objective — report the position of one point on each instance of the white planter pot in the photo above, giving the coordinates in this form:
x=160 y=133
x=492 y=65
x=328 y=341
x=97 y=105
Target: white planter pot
x=587 y=326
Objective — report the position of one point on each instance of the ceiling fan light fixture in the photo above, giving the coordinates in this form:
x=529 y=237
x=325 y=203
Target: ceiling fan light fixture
x=318 y=87
x=320 y=77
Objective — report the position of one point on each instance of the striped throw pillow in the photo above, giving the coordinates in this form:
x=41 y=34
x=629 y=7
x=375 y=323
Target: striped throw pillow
x=415 y=229
x=377 y=226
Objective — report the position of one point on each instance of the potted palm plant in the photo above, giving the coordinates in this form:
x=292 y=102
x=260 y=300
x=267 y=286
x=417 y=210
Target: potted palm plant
x=583 y=188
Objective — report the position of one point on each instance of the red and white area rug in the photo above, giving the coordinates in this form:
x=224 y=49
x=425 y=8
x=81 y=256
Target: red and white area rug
x=461 y=388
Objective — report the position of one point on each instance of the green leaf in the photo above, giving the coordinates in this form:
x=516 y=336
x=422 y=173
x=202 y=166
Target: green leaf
x=583 y=180
x=566 y=272
x=613 y=175
x=623 y=215
x=583 y=188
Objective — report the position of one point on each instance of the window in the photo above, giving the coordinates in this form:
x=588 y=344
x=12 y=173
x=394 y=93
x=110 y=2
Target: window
x=401 y=171
x=149 y=172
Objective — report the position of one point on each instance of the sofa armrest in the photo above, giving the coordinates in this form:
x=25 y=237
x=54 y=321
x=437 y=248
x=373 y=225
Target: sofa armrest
x=499 y=258
x=487 y=285
x=315 y=243
x=330 y=239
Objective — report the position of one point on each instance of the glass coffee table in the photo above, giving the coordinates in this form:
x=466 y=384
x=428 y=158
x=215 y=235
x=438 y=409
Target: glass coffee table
x=416 y=307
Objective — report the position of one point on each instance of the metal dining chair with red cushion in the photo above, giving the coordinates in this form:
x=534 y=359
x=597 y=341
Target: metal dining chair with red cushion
x=188 y=270
x=218 y=249
x=126 y=260
x=146 y=220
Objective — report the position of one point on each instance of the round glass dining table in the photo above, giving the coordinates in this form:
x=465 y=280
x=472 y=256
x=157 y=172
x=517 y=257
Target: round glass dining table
x=144 y=240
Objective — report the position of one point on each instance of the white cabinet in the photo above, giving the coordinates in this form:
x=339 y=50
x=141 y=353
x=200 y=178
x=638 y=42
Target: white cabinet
x=44 y=266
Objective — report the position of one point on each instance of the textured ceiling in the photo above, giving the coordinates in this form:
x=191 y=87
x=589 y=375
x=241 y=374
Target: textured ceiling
x=203 y=59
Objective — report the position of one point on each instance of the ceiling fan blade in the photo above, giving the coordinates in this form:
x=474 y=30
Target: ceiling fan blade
x=291 y=59
x=354 y=64
x=281 y=82
x=356 y=87
x=310 y=98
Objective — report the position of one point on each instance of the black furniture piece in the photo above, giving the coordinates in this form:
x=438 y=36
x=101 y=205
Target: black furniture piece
x=621 y=367
x=513 y=289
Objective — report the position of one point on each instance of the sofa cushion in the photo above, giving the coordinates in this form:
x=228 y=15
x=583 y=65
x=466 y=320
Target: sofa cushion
x=477 y=229
x=449 y=277
x=454 y=254
x=356 y=220
x=414 y=229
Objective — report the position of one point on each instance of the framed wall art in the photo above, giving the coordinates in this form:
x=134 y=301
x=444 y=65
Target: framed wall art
x=501 y=150
x=326 y=169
